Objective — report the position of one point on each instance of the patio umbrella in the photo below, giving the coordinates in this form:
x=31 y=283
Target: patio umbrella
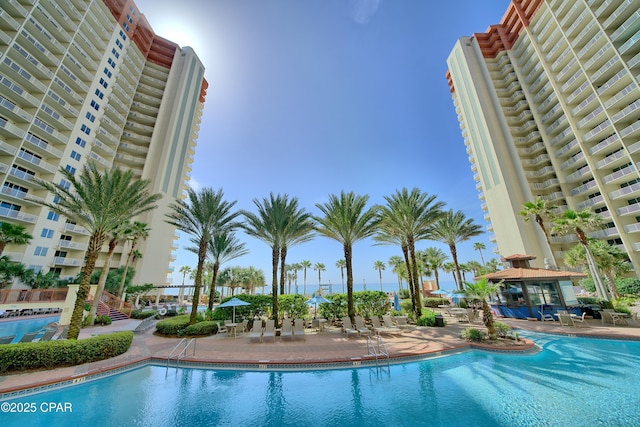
x=234 y=302
x=455 y=298
x=319 y=299
x=396 y=302
x=440 y=292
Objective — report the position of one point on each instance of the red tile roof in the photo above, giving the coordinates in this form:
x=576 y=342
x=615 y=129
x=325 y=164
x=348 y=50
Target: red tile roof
x=531 y=273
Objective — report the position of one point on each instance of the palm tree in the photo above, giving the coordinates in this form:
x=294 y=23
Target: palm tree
x=222 y=248
x=481 y=291
x=203 y=215
x=341 y=264
x=138 y=230
x=9 y=271
x=451 y=229
x=434 y=258
x=99 y=202
x=319 y=267
x=117 y=236
x=399 y=268
x=379 y=265
x=305 y=264
x=450 y=267
x=577 y=222
x=479 y=246
x=407 y=218
x=540 y=211
x=13 y=234
x=279 y=223
x=347 y=220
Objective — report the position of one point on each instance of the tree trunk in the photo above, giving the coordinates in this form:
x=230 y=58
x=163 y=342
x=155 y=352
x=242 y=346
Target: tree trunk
x=124 y=271
x=212 y=290
x=283 y=271
x=351 y=310
x=101 y=281
x=454 y=255
x=202 y=256
x=487 y=317
x=407 y=262
x=275 y=254
x=418 y=299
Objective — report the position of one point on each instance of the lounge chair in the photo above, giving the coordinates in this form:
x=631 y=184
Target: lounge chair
x=610 y=316
x=388 y=323
x=546 y=317
x=401 y=321
x=472 y=315
x=63 y=334
x=566 y=320
x=286 y=330
x=361 y=327
x=7 y=339
x=581 y=320
x=48 y=334
x=378 y=327
x=347 y=327
x=298 y=329
x=28 y=337
x=256 y=330
x=269 y=329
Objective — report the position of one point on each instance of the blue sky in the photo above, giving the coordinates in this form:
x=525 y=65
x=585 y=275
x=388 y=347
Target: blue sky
x=312 y=97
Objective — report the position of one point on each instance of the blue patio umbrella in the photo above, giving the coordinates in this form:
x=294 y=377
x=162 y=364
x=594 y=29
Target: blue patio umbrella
x=440 y=292
x=456 y=298
x=318 y=299
x=234 y=302
x=396 y=302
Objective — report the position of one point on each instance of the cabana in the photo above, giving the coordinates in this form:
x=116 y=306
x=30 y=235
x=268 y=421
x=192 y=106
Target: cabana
x=527 y=292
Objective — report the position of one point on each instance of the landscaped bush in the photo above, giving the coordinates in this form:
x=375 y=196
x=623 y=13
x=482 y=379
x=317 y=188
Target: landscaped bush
x=202 y=328
x=628 y=286
x=102 y=320
x=404 y=294
x=173 y=326
x=434 y=302
x=502 y=329
x=472 y=334
x=371 y=303
x=293 y=305
x=335 y=310
x=50 y=354
x=428 y=318
x=406 y=305
x=139 y=314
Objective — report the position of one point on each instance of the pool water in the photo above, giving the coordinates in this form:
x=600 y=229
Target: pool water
x=19 y=327
x=572 y=382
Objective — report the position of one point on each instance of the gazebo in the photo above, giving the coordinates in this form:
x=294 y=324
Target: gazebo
x=527 y=292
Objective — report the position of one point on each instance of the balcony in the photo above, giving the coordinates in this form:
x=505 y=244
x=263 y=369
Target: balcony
x=633 y=209
x=620 y=175
x=632 y=190
x=631 y=130
x=73 y=228
x=67 y=244
x=9 y=130
x=584 y=188
x=611 y=160
x=620 y=11
x=632 y=228
x=634 y=106
x=36 y=162
x=67 y=262
x=572 y=160
x=22 y=196
x=579 y=174
x=41 y=146
x=598 y=200
x=601 y=128
x=17 y=215
x=627 y=28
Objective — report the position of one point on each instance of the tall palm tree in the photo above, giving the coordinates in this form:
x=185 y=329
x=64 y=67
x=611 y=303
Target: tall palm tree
x=540 y=211
x=100 y=202
x=399 y=269
x=185 y=269
x=223 y=247
x=203 y=214
x=13 y=234
x=479 y=246
x=305 y=264
x=450 y=267
x=319 y=267
x=342 y=264
x=280 y=224
x=577 y=222
x=454 y=228
x=379 y=265
x=347 y=220
x=434 y=258
x=138 y=230
x=481 y=291
x=409 y=216
x=116 y=237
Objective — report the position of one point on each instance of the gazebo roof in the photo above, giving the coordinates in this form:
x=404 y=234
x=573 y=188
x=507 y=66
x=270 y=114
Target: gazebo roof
x=518 y=257
x=531 y=273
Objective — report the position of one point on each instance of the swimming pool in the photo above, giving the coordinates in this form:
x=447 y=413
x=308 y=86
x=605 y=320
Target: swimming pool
x=19 y=327
x=572 y=382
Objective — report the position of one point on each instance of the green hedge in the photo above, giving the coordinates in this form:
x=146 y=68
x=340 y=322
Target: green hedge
x=139 y=314
x=202 y=328
x=50 y=354
x=102 y=320
x=173 y=326
x=434 y=302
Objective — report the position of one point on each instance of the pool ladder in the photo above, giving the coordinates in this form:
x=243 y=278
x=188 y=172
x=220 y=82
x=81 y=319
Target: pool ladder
x=183 y=346
x=377 y=349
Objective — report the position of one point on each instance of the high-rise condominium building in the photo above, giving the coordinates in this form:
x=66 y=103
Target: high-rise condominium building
x=88 y=80
x=549 y=105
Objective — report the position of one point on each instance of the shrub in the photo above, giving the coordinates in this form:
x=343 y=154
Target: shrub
x=405 y=305
x=371 y=303
x=173 y=326
x=404 y=294
x=139 y=314
x=293 y=305
x=502 y=329
x=50 y=354
x=628 y=286
x=472 y=334
x=434 y=302
x=335 y=310
x=428 y=318
x=202 y=328
x=102 y=320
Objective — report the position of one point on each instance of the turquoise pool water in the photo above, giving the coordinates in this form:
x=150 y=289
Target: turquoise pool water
x=572 y=382
x=19 y=327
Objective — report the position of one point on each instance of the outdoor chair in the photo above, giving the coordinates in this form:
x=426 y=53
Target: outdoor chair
x=361 y=327
x=401 y=321
x=241 y=328
x=286 y=330
x=48 y=334
x=347 y=327
x=28 y=337
x=269 y=329
x=63 y=334
x=546 y=317
x=7 y=339
x=378 y=327
x=298 y=329
x=388 y=323
x=610 y=316
x=222 y=328
x=581 y=320
x=472 y=315
x=256 y=330
x=566 y=320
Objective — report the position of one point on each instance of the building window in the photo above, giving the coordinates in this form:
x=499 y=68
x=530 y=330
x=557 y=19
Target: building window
x=10 y=207
x=40 y=251
x=75 y=155
x=104 y=83
x=53 y=216
x=123 y=35
x=112 y=63
x=95 y=105
x=126 y=26
x=86 y=129
x=70 y=169
x=129 y=19
x=115 y=53
x=46 y=233
x=36 y=268
x=65 y=184
x=99 y=94
x=81 y=142
x=107 y=72
x=119 y=44
x=90 y=117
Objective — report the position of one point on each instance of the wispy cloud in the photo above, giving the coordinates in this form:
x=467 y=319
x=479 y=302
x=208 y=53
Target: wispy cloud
x=195 y=185
x=363 y=10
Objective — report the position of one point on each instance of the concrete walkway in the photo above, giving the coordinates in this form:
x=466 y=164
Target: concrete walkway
x=327 y=347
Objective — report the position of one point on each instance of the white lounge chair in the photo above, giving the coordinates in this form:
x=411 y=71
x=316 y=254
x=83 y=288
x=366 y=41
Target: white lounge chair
x=566 y=320
x=256 y=330
x=388 y=323
x=28 y=337
x=269 y=329
x=546 y=317
x=222 y=328
x=347 y=327
x=298 y=329
x=361 y=327
x=581 y=320
x=378 y=327
x=287 y=329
